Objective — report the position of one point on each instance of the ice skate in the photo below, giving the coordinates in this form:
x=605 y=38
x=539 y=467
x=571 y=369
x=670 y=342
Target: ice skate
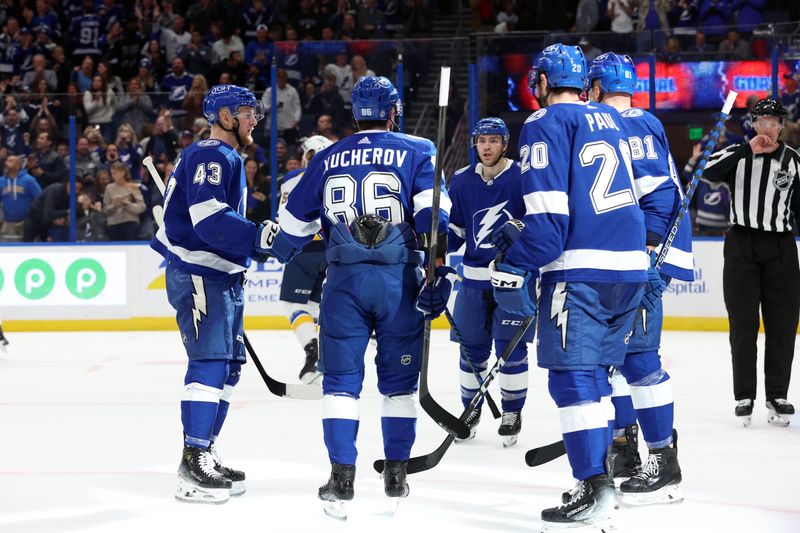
x=337 y=490
x=309 y=373
x=472 y=423
x=744 y=410
x=780 y=412
x=394 y=482
x=198 y=480
x=510 y=426
x=237 y=477
x=658 y=480
x=589 y=506
x=626 y=458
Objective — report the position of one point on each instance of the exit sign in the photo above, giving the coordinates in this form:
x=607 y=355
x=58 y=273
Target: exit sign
x=695 y=133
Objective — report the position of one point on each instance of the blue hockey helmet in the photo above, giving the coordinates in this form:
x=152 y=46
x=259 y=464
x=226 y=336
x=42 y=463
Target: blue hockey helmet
x=374 y=97
x=233 y=97
x=616 y=72
x=490 y=126
x=564 y=66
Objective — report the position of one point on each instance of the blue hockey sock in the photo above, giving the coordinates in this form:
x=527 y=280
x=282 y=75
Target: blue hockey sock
x=340 y=427
x=200 y=402
x=624 y=414
x=224 y=402
x=399 y=425
x=478 y=355
x=651 y=393
x=513 y=377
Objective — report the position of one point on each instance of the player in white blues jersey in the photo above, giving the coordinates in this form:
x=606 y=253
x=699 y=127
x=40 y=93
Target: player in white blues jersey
x=584 y=233
x=208 y=244
x=641 y=387
x=484 y=197
x=301 y=284
x=370 y=193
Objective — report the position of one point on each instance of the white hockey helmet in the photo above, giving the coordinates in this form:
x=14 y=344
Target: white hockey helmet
x=314 y=143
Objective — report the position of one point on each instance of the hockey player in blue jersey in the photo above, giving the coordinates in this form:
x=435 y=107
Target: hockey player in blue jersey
x=208 y=244
x=641 y=387
x=484 y=196
x=370 y=193
x=584 y=234
x=301 y=285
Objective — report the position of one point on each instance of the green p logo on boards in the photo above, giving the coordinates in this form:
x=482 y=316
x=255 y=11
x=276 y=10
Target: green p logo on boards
x=34 y=279
x=86 y=278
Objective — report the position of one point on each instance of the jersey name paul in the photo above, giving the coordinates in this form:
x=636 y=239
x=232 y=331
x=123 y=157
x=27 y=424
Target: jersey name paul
x=486 y=220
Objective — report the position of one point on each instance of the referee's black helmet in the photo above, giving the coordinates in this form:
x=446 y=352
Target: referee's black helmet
x=769 y=107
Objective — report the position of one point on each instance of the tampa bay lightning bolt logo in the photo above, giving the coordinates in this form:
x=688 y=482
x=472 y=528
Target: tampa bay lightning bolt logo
x=485 y=221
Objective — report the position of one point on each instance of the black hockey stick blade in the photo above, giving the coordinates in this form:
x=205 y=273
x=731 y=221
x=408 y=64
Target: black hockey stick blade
x=423 y=462
x=545 y=454
x=278 y=388
x=441 y=416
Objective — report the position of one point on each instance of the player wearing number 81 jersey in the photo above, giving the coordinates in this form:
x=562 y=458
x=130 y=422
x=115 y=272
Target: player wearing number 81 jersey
x=373 y=274
x=584 y=232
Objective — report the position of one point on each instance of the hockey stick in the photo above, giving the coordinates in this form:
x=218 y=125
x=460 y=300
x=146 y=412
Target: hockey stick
x=489 y=400
x=431 y=406
x=278 y=388
x=545 y=454
x=426 y=462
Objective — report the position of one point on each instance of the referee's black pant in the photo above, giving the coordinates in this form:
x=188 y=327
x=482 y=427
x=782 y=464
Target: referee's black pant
x=761 y=267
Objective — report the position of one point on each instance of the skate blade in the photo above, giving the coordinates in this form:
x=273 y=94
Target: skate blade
x=394 y=504
x=335 y=509
x=780 y=421
x=310 y=377
x=237 y=489
x=746 y=420
x=509 y=440
x=664 y=495
x=191 y=493
x=582 y=527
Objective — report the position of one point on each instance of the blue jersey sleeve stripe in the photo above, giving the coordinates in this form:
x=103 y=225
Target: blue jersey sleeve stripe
x=679 y=258
x=647 y=184
x=199 y=257
x=599 y=260
x=556 y=202
x=424 y=200
x=296 y=227
x=203 y=210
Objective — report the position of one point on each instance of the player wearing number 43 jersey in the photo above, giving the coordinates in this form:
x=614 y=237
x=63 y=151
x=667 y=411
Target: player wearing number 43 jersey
x=641 y=387
x=584 y=233
x=484 y=197
x=370 y=193
x=208 y=244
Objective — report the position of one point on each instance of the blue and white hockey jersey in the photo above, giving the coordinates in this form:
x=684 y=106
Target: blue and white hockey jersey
x=205 y=230
x=658 y=189
x=480 y=207
x=370 y=172
x=583 y=221
x=290 y=181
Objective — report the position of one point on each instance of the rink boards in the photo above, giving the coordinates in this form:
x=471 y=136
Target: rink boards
x=122 y=287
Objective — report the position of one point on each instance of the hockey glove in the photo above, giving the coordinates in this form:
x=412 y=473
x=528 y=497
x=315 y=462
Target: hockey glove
x=654 y=288
x=433 y=298
x=510 y=286
x=506 y=235
x=270 y=241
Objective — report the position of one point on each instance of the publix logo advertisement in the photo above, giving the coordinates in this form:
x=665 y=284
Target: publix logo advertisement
x=46 y=278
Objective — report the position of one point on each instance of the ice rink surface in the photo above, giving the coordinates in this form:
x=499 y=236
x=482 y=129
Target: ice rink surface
x=91 y=441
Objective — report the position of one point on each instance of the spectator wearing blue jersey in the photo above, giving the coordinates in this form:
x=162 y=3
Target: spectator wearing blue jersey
x=46 y=16
x=366 y=206
x=259 y=51
x=204 y=207
x=641 y=378
x=13 y=141
x=18 y=189
x=588 y=245
x=176 y=84
x=85 y=31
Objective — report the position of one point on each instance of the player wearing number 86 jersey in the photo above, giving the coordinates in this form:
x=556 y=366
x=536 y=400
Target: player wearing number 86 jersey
x=373 y=284
x=584 y=232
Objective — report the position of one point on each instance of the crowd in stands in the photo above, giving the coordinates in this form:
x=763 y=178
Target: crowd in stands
x=133 y=73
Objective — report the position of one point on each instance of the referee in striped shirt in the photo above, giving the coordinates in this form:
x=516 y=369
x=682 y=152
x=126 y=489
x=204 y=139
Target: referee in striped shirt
x=761 y=267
